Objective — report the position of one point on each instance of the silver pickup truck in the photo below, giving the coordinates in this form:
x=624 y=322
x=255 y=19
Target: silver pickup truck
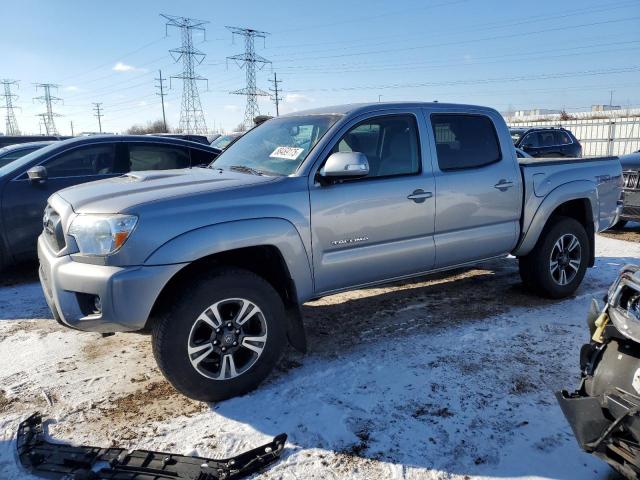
x=215 y=262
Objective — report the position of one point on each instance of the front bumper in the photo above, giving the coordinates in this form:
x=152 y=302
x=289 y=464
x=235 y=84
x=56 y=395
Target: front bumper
x=127 y=294
x=608 y=426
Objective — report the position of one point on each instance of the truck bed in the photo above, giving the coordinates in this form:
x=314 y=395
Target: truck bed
x=526 y=162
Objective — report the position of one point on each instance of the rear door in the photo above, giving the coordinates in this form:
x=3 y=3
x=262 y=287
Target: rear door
x=23 y=201
x=378 y=227
x=478 y=185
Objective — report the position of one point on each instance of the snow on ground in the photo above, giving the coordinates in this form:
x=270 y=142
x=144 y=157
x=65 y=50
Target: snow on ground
x=444 y=377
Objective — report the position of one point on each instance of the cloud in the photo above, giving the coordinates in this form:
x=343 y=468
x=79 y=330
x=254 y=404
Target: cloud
x=142 y=103
x=71 y=88
x=231 y=108
x=123 y=67
x=297 y=98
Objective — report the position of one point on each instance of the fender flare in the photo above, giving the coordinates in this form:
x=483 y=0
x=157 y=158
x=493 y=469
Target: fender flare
x=576 y=190
x=221 y=237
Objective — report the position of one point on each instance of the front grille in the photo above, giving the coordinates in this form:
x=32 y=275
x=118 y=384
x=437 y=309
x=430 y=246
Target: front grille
x=631 y=180
x=52 y=225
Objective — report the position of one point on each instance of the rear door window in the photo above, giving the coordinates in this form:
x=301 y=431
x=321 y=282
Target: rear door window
x=149 y=156
x=465 y=141
x=83 y=161
x=562 y=138
x=547 y=139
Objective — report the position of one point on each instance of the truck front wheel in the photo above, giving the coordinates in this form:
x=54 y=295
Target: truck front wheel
x=557 y=264
x=222 y=337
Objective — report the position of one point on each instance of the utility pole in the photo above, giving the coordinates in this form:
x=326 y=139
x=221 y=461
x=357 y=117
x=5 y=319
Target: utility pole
x=48 y=100
x=11 y=122
x=276 y=92
x=191 y=115
x=249 y=60
x=160 y=85
x=98 y=115
x=71 y=122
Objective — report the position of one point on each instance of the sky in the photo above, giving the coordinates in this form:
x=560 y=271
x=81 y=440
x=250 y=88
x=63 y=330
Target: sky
x=508 y=55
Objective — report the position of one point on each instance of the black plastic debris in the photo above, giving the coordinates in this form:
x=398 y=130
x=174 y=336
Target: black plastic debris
x=58 y=461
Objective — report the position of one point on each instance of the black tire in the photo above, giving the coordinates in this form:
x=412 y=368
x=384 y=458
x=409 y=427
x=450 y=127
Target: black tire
x=173 y=333
x=536 y=269
x=619 y=225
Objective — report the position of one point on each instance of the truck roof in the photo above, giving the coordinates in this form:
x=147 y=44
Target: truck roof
x=351 y=108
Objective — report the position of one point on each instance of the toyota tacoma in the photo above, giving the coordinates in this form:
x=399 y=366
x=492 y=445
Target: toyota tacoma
x=215 y=262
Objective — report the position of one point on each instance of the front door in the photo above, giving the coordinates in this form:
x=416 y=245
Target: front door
x=378 y=227
x=479 y=189
x=23 y=201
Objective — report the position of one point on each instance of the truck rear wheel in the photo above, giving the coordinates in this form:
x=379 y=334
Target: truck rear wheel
x=222 y=337
x=557 y=264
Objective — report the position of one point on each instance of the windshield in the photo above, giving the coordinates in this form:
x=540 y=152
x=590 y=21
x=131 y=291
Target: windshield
x=8 y=155
x=223 y=141
x=26 y=159
x=278 y=146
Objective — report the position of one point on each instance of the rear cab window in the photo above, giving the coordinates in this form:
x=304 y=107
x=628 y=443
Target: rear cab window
x=464 y=141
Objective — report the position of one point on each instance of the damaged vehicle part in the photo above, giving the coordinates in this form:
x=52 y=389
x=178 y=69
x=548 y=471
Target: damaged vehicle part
x=604 y=412
x=60 y=461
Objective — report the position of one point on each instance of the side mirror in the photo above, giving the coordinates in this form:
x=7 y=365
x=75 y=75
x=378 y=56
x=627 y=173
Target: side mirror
x=342 y=165
x=527 y=146
x=37 y=174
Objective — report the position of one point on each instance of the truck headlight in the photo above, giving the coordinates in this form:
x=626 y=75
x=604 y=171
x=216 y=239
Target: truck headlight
x=101 y=234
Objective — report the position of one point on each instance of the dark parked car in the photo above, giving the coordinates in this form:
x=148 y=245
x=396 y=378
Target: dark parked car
x=631 y=189
x=14 y=152
x=6 y=140
x=26 y=183
x=183 y=136
x=546 y=142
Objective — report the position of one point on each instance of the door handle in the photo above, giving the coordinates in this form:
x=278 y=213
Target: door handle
x=503 y=185
x=419 y=195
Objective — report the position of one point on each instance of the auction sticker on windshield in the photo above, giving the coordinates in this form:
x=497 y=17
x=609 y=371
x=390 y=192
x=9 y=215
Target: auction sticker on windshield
x=288 y=153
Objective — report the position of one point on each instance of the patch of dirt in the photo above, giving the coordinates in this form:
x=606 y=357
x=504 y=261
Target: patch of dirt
x=5 y=403
x=154 y=401
x=416 y=306
x=630 y=233
x=42 y=327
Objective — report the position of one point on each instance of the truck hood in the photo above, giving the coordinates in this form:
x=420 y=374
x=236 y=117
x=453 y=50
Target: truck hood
x=115 y=195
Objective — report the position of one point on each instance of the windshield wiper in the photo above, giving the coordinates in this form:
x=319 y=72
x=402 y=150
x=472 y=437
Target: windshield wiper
x=245 y=169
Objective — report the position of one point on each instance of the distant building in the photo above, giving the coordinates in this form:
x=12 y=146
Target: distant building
x=604 y=108
x=535 y=111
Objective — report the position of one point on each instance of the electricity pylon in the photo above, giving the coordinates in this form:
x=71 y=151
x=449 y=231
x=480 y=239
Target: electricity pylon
x=48 y=100
x=9 y=98
x=191 y=115
x=250 y=60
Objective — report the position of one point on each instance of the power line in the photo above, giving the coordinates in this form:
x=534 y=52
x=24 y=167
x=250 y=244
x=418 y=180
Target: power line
x=520 y=78
x=98 y=115
x=48 y=100
x=249 y=60
x=11 y=122
x=160 y=86
x=191 y=114
x=276 y=93
x=456 y=42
